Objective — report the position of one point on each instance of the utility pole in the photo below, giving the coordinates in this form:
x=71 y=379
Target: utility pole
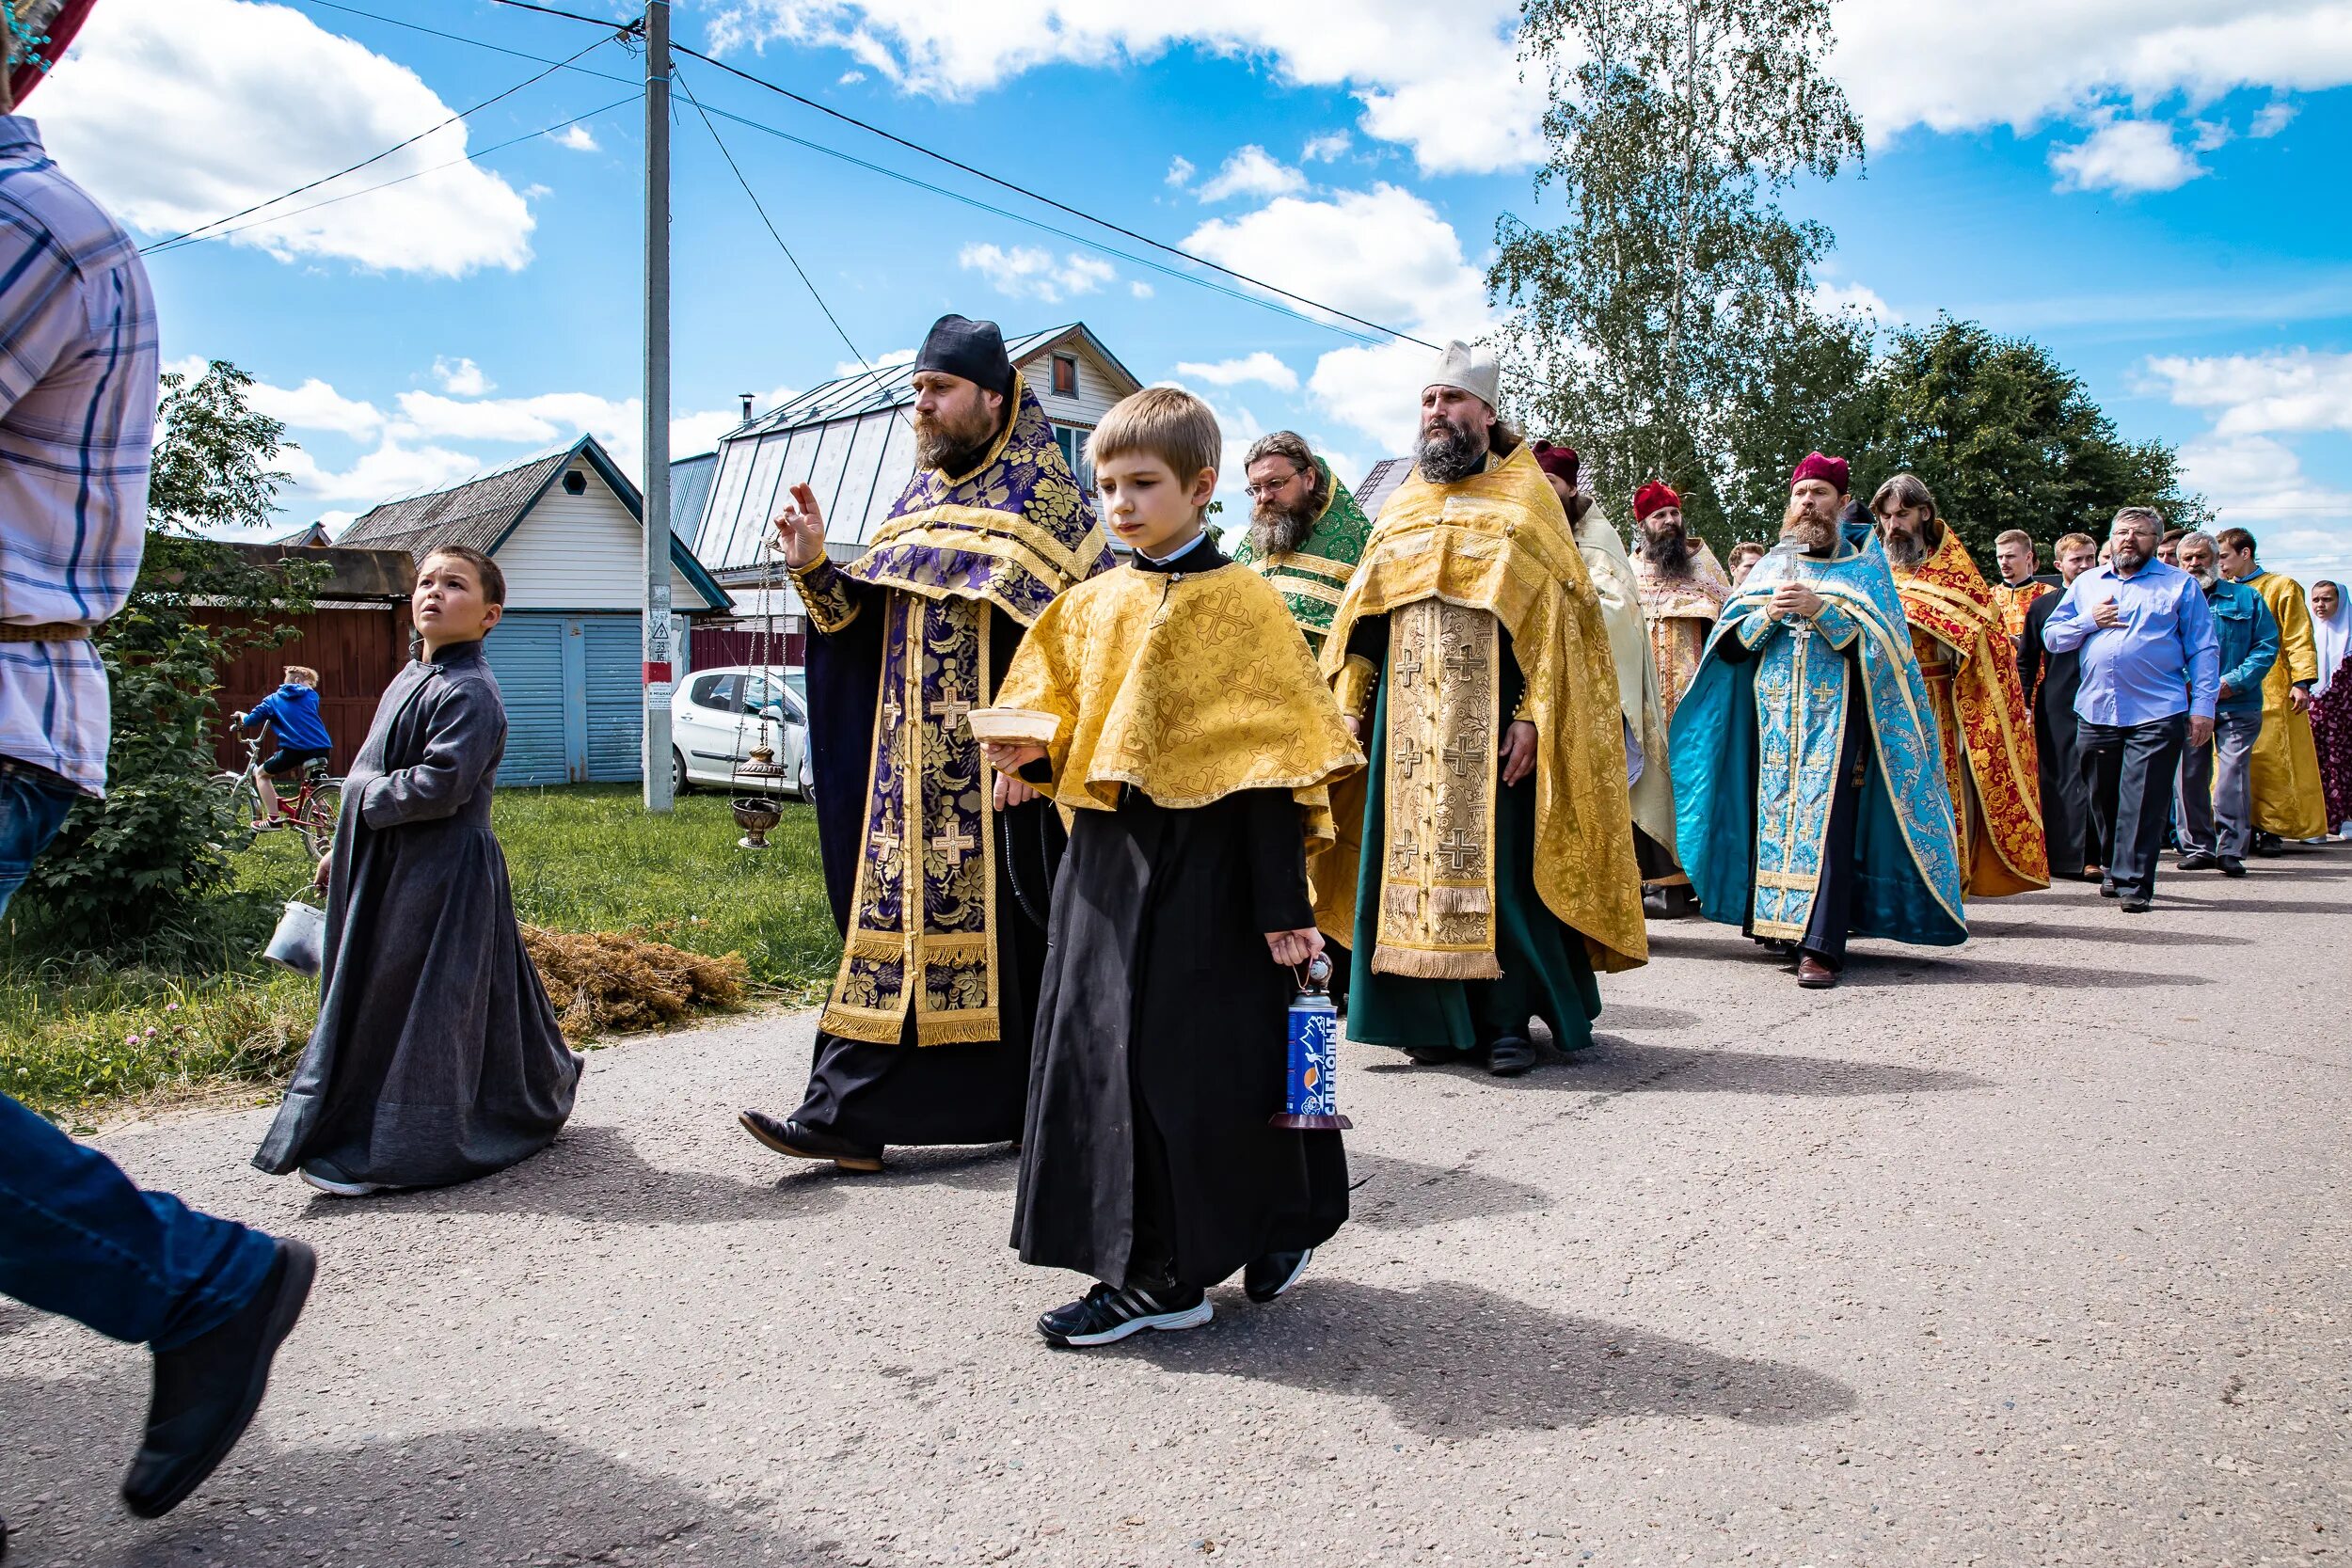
x=658 y=653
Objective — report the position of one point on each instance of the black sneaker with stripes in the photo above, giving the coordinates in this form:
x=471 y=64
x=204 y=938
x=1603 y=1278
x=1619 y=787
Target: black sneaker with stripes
x=1107 y=1314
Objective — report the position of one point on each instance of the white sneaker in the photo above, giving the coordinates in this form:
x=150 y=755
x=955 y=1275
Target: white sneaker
x=333 y=1188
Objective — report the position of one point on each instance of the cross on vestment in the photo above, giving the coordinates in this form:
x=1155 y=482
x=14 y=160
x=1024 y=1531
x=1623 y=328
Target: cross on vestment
x=1403 y=852
x=955 y=844
x=1221 y=618
x=1408 y=759
x=1460 y=757
x=950 y=712
x=1409 y=667
x=1457 y=849
x=1461 y=663
x=891 y=712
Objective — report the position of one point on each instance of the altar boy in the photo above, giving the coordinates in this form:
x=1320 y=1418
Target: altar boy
x=1172 y=707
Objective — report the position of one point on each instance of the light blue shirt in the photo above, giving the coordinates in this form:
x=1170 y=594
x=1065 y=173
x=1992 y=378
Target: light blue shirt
x=2163 y=657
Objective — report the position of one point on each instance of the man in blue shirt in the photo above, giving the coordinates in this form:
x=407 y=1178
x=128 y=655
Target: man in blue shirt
x=2150 y=674
x=2216 y=786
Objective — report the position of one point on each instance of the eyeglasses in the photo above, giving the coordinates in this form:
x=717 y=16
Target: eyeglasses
x=1260 y=492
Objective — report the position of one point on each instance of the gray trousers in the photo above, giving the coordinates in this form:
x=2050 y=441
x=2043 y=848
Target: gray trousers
x=2215 y=789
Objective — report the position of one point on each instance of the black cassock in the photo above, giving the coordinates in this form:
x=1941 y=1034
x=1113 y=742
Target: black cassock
x=2051 y=681
x=1162 y=1048
x=436 y=1057
x=900 y=1092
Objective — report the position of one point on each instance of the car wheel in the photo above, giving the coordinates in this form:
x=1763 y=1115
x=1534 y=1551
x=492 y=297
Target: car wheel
x=679 y=783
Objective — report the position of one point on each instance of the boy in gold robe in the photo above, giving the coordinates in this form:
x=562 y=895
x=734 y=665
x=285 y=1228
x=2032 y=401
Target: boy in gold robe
x=1171 y=708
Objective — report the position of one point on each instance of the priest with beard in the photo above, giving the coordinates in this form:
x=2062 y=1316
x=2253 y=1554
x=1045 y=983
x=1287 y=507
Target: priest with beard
x=939 y=881
x=1810 y=784
x=1683 y=589
x=2050 y=680
x=1970 y=667
x=1498 y=871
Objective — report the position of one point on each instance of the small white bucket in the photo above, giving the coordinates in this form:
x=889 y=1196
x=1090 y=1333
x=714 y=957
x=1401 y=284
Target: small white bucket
x=300 y=941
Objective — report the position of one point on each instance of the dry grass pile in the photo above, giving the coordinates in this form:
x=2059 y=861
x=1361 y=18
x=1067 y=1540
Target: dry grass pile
x=607 y=982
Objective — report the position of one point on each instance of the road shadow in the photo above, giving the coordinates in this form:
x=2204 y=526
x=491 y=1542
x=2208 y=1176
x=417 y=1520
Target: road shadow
x=1619 y=1015
x=459 y=1499
x=1626 y=1066
x=2136 y=935
x=972 y=1168
x=593 y=1172
x=1456 y=1361
x=1402 y=1195
x=2249 y=906
x=1868 y=970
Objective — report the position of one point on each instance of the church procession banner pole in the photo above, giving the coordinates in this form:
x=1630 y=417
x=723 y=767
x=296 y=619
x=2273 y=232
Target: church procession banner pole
x=658 y=653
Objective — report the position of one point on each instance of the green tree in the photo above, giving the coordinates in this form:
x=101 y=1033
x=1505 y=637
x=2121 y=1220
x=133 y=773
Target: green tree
x=148 y=864
x=2007 y=437
x=1675 y=291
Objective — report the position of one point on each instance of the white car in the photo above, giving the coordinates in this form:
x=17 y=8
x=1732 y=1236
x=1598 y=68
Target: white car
x=718 y=715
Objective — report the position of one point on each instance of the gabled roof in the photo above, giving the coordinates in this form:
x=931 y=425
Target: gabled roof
x=690 y=490
x=310 y=538
x=893 y=385
x=1379 y=484
x=482 y=512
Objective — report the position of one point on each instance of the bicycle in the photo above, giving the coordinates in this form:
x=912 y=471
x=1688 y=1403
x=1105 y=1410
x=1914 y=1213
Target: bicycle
x=310 y=811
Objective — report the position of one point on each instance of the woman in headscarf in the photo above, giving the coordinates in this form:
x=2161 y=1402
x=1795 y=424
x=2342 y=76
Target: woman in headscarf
x=2331 y=704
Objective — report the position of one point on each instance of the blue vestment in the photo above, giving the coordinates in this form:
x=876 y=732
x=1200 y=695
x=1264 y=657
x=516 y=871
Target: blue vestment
x=1755 y=755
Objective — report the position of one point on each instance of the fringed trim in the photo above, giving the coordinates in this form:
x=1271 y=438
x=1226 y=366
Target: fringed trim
x=971 y=1027
x=1418 y=963
x=1401 y=899
x=1455 y=899
x=860 y=1023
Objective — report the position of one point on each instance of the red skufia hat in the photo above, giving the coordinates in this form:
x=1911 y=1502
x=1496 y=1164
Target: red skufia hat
x=1558 y=460
x=1654 y=497
x=1817 y=466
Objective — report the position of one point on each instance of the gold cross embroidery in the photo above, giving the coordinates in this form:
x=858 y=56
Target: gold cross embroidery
x=1219 y=619
x=891 y=713
x=1458 y=850
x=950 y=712
x=955 y=844
x=1459 y=758
x=1409 y=667
x=1462 y=663
x=1402 y=853
x=1408 y=760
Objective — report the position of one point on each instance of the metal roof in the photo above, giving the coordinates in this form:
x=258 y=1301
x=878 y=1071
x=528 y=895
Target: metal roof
x=477 y=513
x=689 y=487
x=888 y=387
x=1380 y=484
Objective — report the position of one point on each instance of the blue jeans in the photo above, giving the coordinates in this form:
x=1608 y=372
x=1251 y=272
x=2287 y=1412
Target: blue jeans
x=76 y=1236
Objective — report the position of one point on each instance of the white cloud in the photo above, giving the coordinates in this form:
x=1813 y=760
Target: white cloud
x=1443 y=80
x=461 y=378
x=393 y=470
x=1259 y=366
x=1139 y=288
x=1031 y=273
x=880 y=361
x=315 y=406
x=2270 y=119
x=1180 y=171
x=1324 y=148
x=1252 y=171
x=1860 y=298
x=2286 y=392
x=2253 y=482
x=176 y=112
x=699 y=432
x=2125 y=156
x=578 y=138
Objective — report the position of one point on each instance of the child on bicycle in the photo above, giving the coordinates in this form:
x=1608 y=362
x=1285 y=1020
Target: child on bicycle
x=293 y=709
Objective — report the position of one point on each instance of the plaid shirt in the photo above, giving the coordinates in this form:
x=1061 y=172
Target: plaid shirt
x=78 y=415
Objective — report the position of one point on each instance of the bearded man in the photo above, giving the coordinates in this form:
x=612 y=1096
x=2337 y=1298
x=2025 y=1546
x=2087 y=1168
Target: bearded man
x=2014 y=553
x=2290 y=803
x=2050 y=681
x=1807 y=773
x=1498 y=871
x=1970 y=668
x=1683 y=589
x=938 y=880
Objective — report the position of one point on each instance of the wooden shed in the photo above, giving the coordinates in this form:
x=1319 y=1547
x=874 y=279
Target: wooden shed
x=356 y=636
x=567 y=529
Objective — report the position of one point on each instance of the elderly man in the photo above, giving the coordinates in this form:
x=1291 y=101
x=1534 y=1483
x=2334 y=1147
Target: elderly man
x=2215 y=789
x=1970 y=668
x=2331 y=700
x=938 y=883
x=2150 y=676
x=2014 y=553
x=2050 y=681
x=1498 y=870
x=1806 y=770
x=2290 y=803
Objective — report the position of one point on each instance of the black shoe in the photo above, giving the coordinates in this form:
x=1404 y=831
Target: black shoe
x=805 y=1143
x=2199 y=860
x=1268 y=1277
x=1433 y=1055
x=1510 y=1056
x=2232 y=866
x=2139 y=903
x=207 y=1390
x=2108 y=888
x=1654 y=904
x=1104 y=1316
x=2268 y=843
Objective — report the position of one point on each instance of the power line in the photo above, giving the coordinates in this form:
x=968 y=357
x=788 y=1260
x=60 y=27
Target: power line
x=679 y=77
x=478 y=44
x=201 y=227
x=1034 y=196
x=386 y=184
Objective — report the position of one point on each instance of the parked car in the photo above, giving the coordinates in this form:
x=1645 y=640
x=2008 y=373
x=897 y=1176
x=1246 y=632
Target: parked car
x=718 y=715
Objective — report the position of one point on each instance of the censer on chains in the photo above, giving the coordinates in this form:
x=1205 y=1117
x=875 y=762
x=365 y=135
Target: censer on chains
x=1313 y=1102
x=760 y=777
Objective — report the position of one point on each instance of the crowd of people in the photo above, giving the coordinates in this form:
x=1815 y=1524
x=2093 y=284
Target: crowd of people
x=1101 y=792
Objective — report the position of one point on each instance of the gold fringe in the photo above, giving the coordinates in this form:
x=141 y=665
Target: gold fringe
x=1402 y=899
x=1447 y=898
x=962 y=1028
x=860 y=1023
x=1421 y=964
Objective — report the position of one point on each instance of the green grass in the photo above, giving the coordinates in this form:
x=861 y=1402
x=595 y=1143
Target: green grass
x=81 y=1036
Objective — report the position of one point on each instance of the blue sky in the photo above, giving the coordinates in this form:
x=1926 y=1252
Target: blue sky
x=2144 y=187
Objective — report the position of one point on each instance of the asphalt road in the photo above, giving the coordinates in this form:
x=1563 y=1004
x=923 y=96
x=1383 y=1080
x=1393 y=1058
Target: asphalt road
x=2033 y=1251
